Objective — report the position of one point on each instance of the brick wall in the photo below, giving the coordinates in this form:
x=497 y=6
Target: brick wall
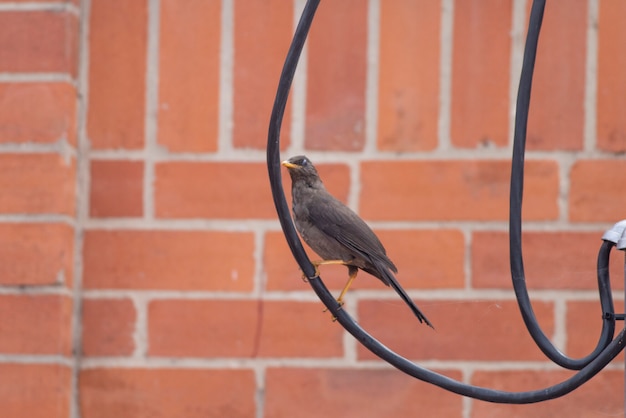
x=143 y=272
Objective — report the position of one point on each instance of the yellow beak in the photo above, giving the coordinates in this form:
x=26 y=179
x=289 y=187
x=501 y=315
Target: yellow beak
x=288 y=164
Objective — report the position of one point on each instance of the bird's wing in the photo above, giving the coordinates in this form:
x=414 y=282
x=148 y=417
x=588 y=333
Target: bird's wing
x=349 y=229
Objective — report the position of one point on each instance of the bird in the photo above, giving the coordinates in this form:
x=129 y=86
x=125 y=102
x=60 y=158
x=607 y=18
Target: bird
x=337 y=234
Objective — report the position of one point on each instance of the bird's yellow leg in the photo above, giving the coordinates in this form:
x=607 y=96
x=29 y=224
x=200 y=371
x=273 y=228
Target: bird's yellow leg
x=347 y=286
x=318 y=263
x=353 y=274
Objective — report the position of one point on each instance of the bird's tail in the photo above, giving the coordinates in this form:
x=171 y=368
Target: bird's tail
x=391 y=281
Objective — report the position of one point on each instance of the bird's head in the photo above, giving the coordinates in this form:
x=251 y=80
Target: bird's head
x=301 y=169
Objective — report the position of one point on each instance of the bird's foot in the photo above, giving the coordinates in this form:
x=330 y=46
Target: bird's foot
x=305 y=279
x=334 y=318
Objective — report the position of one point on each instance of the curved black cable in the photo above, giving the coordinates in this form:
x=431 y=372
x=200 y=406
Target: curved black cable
x=515 y=217
x=273 y=162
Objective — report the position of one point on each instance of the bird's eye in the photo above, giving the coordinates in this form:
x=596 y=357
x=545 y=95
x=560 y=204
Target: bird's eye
x=304 y=162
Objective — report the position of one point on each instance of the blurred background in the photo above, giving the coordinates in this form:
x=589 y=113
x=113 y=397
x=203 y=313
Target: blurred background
x=143 y=272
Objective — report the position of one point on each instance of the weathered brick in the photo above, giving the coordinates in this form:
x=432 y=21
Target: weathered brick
x=335 y=118
x=596 y=192
x=116 y=188
x=454 y=190
x=108 y=326
x=37 y=112
x=558 y=92
x=552 y=260
x=37 y=183
x=35 y=390
x=584 y=323
x=262 y=33
x=602 y=396
x=212 y=190
x=117 y=69
x=464 y=330
x=230 y=328
x=163 y=393
x=408 y=87
x=35 y=324
x=189 y=66
x=611 y=96
x=38 y=41
x=480 y=73
x=181 y=260
x=36 y=254
x=355 y=393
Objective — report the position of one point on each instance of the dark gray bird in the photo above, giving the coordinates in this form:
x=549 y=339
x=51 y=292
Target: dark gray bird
x=336 y=233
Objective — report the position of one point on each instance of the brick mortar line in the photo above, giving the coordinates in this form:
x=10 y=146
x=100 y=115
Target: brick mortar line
x=298 y=93
x=458 y=295
x=445 y=76
x=82 y=200
x=259 y=394
x=467 y=259
x=449 y=155
x=226 y=83
x=238 y=363
x=37 y=218
x=559 y=334
x=151 y=106
x=36 y=290
x=591 y=77
x=268 y=225
x=519 y=25
x=60 y=146
x=40 y=7
x=372 y=76
x=44 y=359
x=44 y=77
x=140 y=333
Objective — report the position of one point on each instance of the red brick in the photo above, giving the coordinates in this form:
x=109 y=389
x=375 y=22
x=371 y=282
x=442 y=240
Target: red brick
x=602 y=396
x=263 y=30
x=596 y=192
x=116 y=188
x=355 y=393
x=37 y=112
x=37 y=183
x=558 y=123
x=164 y=393
x=108 y=326
x=189 y=75
x=181 y=260
x=408 y=90
x=117 y=68
x=611 y=96
x=212 y=190
x=337 y=53
x=552 y=260
x=35 y=324
x=464 y=330
x=244 y=328
x=427 y=259
x=454 y=190
x=36 y=254
x=584 y=323
x=38 y=41
x=480 y=73
x=35 y=390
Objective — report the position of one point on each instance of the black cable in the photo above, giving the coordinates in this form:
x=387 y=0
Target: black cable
x=273 y=162
x=273 y=137
x=515 y=216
